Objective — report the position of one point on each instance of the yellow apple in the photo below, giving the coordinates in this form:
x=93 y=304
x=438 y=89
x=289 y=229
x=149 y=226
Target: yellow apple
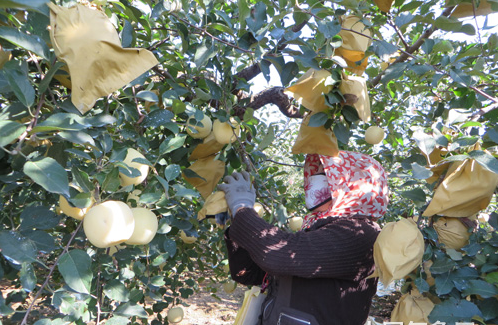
x=374 y=134
x=224 y=133
x=133 y=196
x=229 y=286
x=259 y=209
x=144 y=169
x=71 y=211
x=108 y=224
x=186 y=239
x=145 y=226
x=199 y=130
x=295 y=223
x=175 y=315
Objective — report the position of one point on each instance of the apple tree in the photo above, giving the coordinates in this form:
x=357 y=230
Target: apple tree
x=430 y=77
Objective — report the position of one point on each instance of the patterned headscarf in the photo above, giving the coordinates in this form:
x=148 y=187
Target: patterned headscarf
x=358 y=185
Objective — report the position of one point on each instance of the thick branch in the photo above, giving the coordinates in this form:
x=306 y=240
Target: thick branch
x=406 y=54
x=274 y=96
x=253 y=70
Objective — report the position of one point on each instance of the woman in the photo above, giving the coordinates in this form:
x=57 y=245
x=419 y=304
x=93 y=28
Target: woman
x=318 y=275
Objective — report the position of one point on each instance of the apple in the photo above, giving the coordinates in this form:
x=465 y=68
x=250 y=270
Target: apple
x=71 y=211
x=223 y=131
x=199 y=130
x=229 y=286
x=259 y=209
x=295 y=223
x=144 y=169
x=175 y=315
x=374 y=134
x=108 y=224
x=187 y=239
x=145 y=226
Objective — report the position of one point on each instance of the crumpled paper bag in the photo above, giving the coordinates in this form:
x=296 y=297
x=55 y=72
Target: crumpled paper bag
x=466 y=189
x=354 y=45
x=412 y=307
x=317 y=140
x=309 y=90
x=451 y=232
x=398 y=250
x=357 y=86
x=208 y=147
x=209 y=168
x=88 y=42
x=463 y=10
x=214 y=204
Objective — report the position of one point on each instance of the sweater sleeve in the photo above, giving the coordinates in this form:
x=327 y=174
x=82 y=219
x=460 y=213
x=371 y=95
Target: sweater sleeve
x=342 y=248
x=242 y=268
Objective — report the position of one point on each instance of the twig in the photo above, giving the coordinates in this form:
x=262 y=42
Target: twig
x=283 y=164
x=52 y=268
x=32 y=124
x=401 y=37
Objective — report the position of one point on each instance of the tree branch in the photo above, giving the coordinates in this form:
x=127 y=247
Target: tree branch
x=406 y=54
x=274 y=96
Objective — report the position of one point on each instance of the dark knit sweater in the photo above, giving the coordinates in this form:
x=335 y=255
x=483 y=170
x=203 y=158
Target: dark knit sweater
x=327 y=265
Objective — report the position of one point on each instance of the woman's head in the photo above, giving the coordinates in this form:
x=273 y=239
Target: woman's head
x=357 y=184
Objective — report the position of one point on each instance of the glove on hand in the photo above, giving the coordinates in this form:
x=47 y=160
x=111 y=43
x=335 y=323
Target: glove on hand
x=239 y=191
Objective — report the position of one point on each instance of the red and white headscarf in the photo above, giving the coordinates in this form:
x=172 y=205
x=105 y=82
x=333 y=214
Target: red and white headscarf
x=358 y=185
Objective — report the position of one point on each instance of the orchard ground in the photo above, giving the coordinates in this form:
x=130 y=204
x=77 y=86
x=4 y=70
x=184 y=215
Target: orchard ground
x=204 y=308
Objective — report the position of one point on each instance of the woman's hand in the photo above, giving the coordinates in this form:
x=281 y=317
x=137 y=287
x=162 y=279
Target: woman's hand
x=239 y=191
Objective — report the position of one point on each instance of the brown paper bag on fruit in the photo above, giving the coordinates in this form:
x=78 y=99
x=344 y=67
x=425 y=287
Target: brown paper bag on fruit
x=398 y=250
x=214 y=204
x=452 y=232
x=466 y=189
x=384 y=5
x=463 y=10
x=412 y=307
x=357 y=86
x=310 y=88
x=354 y=45
x=211 y=170
x=88 y=42
x=207 y=148
x=317 y=140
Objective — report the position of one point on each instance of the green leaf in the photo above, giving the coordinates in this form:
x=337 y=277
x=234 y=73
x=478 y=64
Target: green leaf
x=448 y=24
x=453 y=310
x=77 y=137
x=481 y=288
x=117 y=320
x=328 y=28
x=171 y=144
x=117 y=291
x=148 y=96
x=244 y=12
x=444 y=285
x=27 y=42
x=268 y=139
x=169 y=246
x=442 y=265
x=76 y=269
x=172 y=171
x=44 y=242
x=20 y=84
x=17 y=248
x=38 y=217
x=420 y=172
x=486 y=160
x=10 y=131
x=288 y=73
x=158 y=118
x=422 y=285
x=48 y=77
x=425 y=142
x=111 y=181
x=318 y=119
x=383 y=49
x=416 y=195
x=27 y=277
x=203 y=54
x=131 y=310
x=49 y=174
x=342 y=133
